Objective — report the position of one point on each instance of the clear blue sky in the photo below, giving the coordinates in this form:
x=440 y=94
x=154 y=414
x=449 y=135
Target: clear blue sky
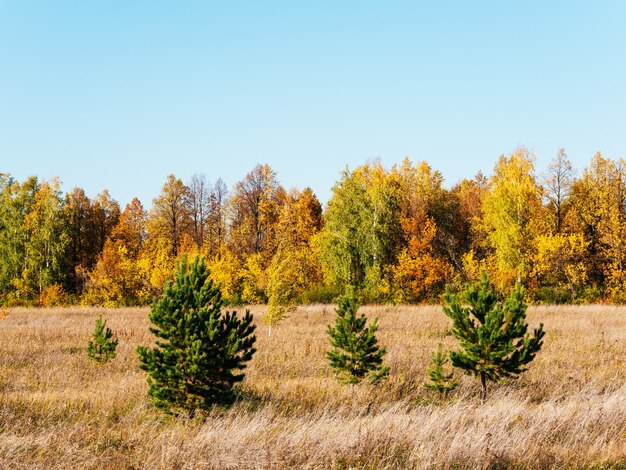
x=118 y=94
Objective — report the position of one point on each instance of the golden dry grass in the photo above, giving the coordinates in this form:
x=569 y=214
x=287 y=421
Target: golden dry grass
x=59 y=410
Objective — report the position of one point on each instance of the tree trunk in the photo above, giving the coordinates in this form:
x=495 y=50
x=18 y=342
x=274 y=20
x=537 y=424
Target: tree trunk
x=483 y=392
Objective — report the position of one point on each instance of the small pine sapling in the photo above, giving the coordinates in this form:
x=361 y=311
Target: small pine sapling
x=440 y=382
x=492 y=335
x=102 y=347
x=356 y=354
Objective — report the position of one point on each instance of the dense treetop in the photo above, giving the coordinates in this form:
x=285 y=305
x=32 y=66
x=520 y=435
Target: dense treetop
x=394 y=234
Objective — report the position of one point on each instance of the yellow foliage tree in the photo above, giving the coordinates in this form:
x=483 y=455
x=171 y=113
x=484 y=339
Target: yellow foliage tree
x=255 y=207
x=423 y=264
x=169 y=218
x=225 y=271
x=419 y=273
x=472 y=267
x=598 y=212
x=560 y=261
x=513 y=215
x=116 y=279
x=130 y=230
x=156 y=264
x=253 y=280
x=295 y=266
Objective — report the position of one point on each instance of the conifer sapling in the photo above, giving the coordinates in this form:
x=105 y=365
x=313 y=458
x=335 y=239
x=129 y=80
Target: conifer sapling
x=356 y=354
x=492 y=335
x=102 y=347
x=200 y=350
x=440 y=382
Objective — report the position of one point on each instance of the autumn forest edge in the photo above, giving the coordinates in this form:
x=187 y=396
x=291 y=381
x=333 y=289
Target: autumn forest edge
x=397 y=235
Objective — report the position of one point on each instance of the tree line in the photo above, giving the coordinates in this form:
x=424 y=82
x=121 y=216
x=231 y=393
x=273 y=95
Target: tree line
x=392 y=234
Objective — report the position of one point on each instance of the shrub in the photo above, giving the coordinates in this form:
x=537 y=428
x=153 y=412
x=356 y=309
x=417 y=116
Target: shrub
x=52 y=296
x=318 y=293
x=554 y=295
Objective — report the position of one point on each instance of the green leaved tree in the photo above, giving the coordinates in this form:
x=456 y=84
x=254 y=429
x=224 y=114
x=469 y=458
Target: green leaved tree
x=356 y=354
x=102 y=347
x=492 y=335
x=200 y=350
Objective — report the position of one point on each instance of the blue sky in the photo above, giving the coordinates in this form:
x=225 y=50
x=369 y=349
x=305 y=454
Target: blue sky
x=119 y=94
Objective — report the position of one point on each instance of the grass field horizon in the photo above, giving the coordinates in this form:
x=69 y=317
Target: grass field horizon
x=58 y=409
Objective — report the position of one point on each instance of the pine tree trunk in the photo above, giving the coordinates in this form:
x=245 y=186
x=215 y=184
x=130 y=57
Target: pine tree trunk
x=483 y=392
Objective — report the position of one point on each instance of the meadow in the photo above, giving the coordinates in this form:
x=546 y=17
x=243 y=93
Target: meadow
x=60 y=410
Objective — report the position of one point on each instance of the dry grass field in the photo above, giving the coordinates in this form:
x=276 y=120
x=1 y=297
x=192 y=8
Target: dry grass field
x=59 y=410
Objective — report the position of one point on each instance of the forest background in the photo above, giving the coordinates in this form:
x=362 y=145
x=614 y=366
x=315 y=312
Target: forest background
x=396 y=235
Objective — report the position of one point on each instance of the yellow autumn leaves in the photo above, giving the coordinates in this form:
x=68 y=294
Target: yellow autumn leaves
x=395 y=235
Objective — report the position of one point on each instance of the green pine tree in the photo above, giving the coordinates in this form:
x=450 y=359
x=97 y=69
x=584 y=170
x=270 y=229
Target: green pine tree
x=355 y=354
x=440 y=382
x=492 y=335
x=102 y=347
x=200 y=350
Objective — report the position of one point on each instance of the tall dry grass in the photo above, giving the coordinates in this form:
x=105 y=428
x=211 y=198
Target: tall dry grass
x=59 y=410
